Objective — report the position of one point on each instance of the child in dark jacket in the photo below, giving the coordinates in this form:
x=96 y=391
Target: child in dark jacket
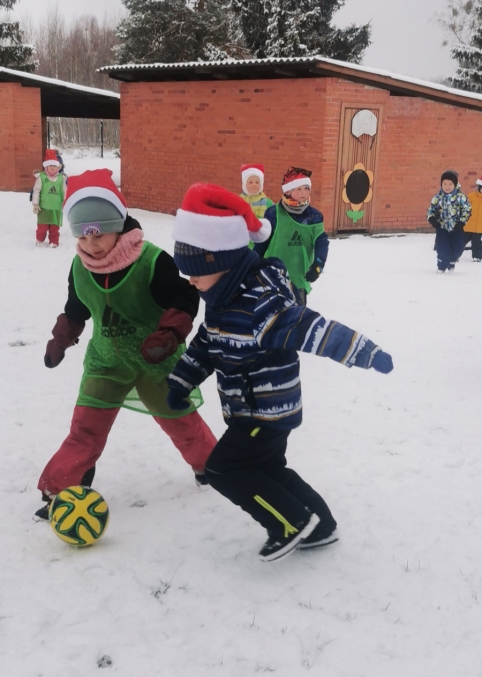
x=142 y=312
x=250 y=336
x=298 y=237
x=448 y=213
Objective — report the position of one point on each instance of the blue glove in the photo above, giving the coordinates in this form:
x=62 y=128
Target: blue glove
x=382 y=362
x=315 y=271
x=176 y=400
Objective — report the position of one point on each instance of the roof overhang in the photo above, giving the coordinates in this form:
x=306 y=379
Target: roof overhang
x=295 y=67
x=65 y=99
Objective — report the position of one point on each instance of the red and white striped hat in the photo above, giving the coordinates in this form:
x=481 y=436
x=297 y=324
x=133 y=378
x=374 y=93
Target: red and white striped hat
x=479 y=181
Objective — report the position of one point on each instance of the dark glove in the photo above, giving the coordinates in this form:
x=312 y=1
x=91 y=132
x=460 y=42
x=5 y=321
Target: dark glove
x=315 y=271
x=65 y=334
x=459 y=225
x=382 y=362
x=177 y=400
x=433 y=222
x=172 y=330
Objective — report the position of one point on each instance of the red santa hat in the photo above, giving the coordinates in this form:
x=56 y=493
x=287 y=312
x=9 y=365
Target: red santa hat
x=479 y=181
x=51 y=159
x=251 y=170
x=295 y=177
x=105 y=213
x=216 y=222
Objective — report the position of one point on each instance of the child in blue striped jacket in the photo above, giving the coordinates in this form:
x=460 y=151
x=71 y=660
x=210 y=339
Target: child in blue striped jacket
x=250 y=336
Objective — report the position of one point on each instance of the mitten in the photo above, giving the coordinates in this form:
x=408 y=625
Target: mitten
x=172 y=330
x=65 y=334
x=433 y=222
x=315 y=271
x=36 y=209
x=459 y=225
x=382 y=362
x=177 y=400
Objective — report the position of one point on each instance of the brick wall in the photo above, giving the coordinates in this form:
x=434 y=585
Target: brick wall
x=20 y=136
x=173 y=134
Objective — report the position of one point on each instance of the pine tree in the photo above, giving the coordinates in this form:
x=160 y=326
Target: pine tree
x=13 y=53
x=173 y=31
x=469 y=57
x=286 y=28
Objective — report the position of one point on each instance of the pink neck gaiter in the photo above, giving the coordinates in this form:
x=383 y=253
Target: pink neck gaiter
x=127 y=250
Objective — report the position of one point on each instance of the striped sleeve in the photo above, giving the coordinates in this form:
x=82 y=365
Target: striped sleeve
x=300 y=328
x=194 y=367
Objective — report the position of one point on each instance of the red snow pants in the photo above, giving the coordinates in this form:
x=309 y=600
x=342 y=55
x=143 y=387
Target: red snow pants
x=89 y=430
x=53 y=232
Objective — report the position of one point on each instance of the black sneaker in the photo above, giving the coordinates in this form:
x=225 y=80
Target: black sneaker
x=201 y=479
x=278 y=548
x=318 y=538
x=42 y=514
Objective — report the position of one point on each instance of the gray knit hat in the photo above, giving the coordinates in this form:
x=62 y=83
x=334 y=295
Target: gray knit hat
x=93 y=204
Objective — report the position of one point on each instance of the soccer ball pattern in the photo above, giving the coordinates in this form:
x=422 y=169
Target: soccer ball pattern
x=79 y=515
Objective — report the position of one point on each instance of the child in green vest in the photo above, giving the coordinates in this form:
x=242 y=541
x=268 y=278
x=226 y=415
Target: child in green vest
x=142 y=311
x=47 y=198
x=252 y=178
x=298 y=237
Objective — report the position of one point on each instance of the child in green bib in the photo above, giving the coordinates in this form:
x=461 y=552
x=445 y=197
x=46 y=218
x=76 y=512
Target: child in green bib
x=142 y=312
x=298 y=236
x=47 y=198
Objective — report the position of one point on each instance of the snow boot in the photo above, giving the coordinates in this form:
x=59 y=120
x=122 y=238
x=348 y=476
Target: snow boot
x=200 y=477
x=277 y=548
x=42 y=514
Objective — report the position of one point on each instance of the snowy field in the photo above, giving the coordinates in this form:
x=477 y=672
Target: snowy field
x=175 y=587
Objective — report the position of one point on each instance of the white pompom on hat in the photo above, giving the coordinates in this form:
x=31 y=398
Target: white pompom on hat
x=252 y=170
x=479 y=181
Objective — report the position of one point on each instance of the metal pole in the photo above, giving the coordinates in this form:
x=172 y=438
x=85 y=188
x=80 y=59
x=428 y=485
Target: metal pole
x=102 y=138
x=48 y=133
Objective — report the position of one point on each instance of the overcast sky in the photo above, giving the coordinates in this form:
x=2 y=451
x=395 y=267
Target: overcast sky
x=406 y=37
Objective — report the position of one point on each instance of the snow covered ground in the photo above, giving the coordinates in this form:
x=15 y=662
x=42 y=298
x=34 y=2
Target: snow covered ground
x=175 y=587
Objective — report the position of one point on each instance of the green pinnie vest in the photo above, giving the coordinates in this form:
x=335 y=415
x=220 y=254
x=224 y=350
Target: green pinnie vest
x=294 y=244
x=51 y=200
x=115 y=373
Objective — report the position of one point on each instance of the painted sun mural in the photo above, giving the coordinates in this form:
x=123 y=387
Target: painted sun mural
x=357 y=190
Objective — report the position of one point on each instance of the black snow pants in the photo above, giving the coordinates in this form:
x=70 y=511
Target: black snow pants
x=248 y=466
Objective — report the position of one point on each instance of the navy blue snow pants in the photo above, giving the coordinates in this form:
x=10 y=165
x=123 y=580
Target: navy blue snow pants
x=449 y=246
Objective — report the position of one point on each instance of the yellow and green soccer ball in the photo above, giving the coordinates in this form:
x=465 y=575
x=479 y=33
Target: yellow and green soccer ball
x=79 y=515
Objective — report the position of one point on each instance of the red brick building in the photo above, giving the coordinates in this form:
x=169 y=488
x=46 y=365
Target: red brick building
x=26 y=101
x=182 y=123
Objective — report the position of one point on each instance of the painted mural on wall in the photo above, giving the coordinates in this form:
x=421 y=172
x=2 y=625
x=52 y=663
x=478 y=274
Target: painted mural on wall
x=357 y=190
x=358 y=182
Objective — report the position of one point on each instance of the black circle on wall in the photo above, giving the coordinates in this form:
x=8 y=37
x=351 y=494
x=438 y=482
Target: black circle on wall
x=358 y=186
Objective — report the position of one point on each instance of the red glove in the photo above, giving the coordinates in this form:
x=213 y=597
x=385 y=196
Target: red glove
x=172 y=330
x=65 y=334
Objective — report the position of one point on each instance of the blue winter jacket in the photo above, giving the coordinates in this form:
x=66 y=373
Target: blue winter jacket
x=251 y=343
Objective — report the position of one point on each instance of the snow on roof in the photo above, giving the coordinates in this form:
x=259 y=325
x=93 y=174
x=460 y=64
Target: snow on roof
x=313 y=60
x=59 y=83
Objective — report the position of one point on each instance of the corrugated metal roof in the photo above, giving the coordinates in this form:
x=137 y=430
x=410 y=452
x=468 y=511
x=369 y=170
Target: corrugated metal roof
x=313 y=66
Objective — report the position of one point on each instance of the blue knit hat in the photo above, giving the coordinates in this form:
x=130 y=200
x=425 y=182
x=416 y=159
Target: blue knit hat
x=213 y=229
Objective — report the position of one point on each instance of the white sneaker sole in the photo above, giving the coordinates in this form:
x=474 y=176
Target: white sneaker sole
x=292 y=545
x=332 y=538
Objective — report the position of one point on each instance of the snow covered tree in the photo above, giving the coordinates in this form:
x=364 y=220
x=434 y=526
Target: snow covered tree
x=469 y=56
x=13 y=53
x=284 y=28
x=173 y=31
